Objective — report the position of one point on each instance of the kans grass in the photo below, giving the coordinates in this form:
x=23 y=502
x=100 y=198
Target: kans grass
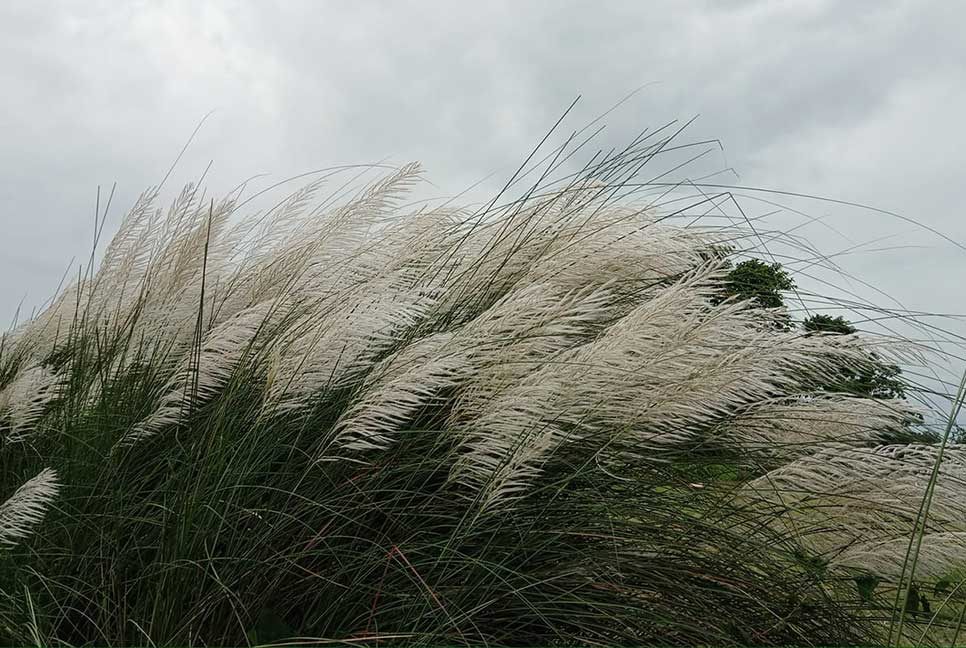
x=532 y=423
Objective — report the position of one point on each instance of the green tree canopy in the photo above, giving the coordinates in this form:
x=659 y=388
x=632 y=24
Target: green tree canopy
x=877 y=380
x=828 y=324
x=760 y=281
x=764 y=283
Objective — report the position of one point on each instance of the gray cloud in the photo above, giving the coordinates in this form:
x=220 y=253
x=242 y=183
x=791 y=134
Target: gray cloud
x=860 y=101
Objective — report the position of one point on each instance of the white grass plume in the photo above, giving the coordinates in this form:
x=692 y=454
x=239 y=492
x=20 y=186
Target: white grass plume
x=27 y=506
x=794 y=427
x=562 y=312
x=837 y=493
x=22 y=401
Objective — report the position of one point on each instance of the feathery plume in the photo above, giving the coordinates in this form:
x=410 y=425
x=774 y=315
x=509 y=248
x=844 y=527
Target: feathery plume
x=26 y=507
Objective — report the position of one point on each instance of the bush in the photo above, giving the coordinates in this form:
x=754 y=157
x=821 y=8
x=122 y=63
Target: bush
x=533 y=425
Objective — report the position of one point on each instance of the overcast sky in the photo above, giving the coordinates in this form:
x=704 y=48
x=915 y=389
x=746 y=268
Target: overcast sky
x=859 y=101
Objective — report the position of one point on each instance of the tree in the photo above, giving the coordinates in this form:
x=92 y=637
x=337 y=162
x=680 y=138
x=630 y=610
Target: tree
x=764 y=284
x=827 y=324
x=878 y=379
x=761 y=283
x=757 y=280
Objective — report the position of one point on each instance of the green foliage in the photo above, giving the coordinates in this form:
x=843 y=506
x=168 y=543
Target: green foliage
x=764 y=284
x=827 y=324
x=875 y=379
x=879 y=381
x=226 y=530
x=866 y=585
x=758 y=281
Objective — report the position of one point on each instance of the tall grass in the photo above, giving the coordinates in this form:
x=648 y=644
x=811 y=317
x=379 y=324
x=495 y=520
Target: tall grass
x=533 y=423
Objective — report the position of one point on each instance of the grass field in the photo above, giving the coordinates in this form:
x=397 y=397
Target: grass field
x=542 y=421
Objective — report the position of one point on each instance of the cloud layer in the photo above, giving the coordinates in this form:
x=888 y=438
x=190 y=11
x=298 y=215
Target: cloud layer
x=857 y=101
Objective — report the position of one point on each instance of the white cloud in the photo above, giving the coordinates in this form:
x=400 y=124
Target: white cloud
x=860 y=101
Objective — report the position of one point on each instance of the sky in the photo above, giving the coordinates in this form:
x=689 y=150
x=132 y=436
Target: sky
x=856 y=101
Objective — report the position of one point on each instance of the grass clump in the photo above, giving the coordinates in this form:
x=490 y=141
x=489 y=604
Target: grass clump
x=542 y=422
